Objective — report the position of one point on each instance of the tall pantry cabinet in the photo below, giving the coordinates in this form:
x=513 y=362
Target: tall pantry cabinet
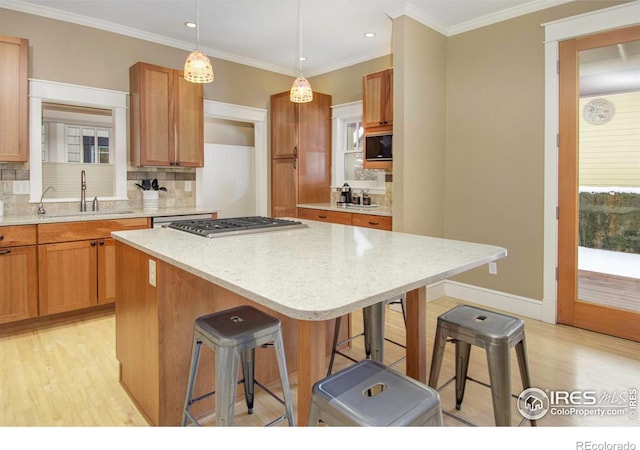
x=300 y=152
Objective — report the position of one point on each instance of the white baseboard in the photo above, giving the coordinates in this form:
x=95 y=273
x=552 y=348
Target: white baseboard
x=512 y=304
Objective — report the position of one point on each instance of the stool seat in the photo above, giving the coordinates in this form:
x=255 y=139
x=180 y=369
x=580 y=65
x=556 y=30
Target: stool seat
x=495 y=332
x=370 y=394
x=233 y=335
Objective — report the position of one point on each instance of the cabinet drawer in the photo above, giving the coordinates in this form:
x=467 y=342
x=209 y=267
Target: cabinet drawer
x=76 y=231
x=15 y=235
x=325 y=216
x=372 y=221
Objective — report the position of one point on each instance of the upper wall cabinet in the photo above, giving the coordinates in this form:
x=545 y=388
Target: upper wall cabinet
x=14 y=106
x=167 y=118
x=378 y=99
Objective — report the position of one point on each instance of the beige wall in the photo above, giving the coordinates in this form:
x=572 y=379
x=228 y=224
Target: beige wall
x=495 y=145
x=419 y=124
x=345 y=85
x=69 y=53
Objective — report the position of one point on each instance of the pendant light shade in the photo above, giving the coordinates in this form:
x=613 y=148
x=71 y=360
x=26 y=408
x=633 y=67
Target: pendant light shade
x=301 y=89
x=197 y=67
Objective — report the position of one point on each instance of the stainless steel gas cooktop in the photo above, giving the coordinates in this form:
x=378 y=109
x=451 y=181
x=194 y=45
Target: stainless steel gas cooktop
x=211 y=228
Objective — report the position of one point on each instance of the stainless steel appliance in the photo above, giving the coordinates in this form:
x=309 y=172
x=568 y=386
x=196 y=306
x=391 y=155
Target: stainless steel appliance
x=164 y=221
x=378 y=146
x=345 y=194
x=211 y=228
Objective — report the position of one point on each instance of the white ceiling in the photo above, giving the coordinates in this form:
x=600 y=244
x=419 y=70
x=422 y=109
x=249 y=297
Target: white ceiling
x=263 y=33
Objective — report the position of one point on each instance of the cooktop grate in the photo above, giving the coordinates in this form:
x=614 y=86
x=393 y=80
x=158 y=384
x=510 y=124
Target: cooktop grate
x=211 y=228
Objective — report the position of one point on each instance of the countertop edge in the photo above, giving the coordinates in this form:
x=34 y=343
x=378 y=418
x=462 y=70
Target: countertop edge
x=375 y=211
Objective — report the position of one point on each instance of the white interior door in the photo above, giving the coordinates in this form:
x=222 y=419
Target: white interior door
x=227 y=180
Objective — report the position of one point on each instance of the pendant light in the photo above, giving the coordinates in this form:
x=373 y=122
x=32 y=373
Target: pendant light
x=197 y=68
x=301 y=90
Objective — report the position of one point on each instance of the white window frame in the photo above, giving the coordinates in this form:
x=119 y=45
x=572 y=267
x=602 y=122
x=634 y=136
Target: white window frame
x=50 y=91
x=341 y=115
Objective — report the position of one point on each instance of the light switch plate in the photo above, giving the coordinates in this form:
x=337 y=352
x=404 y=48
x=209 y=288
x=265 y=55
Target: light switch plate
x=152 y=272
x=493 y=268
x=187 y=186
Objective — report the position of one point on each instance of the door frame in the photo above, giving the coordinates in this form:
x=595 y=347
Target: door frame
x=258 y=117
x=569 y=28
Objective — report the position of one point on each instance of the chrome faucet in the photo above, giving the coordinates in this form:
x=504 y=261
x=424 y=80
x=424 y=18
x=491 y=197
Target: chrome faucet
x=41 y=206
x=83 y=191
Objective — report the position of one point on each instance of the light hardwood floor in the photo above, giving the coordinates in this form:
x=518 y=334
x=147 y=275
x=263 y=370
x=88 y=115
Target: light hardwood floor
x=67 y=375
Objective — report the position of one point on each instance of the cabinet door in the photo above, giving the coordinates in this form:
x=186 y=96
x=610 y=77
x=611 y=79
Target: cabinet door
x=14 y=60
x=152 y=131
x=314 y=156
x=18 y=283
x=284 y=126
x=188 y=119
x=378 y=99
x=67 y=276
x=284 y=186
x=106 y=271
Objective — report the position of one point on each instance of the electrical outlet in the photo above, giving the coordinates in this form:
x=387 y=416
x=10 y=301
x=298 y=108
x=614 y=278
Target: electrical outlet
x=152 y=272
x=187 y=186
x=493 y=268
x=21 y=187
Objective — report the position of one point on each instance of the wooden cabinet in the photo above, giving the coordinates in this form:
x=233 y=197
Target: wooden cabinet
x=347 y=218
x=77 y=263
x=167 y=118
x=377 y=104
x=18 y=273
x=300 y=152
x=14 y=106
x=322 y=215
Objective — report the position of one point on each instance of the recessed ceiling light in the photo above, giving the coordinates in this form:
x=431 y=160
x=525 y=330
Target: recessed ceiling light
x=302 y=58
x=369 y=34
x=190 y=25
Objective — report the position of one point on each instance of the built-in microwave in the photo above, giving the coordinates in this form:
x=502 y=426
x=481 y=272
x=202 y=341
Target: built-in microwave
x=378 y=146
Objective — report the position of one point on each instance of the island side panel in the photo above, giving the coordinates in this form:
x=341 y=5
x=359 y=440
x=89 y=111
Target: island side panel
x=311 y=363
x=137 y=330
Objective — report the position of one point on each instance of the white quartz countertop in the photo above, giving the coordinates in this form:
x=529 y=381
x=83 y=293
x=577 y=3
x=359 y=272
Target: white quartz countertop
x=376 y=210
x=315 y=273
x=127 y=213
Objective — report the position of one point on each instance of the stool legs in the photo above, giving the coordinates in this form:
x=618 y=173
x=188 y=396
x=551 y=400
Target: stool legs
x=226 y=382
x=462 y=367
x=247 y=359
x=523 y=364
x=284 y=380
x=195 y=358
x=373 y=317
x=437 y=356
x=334 y=347
x=499 y=362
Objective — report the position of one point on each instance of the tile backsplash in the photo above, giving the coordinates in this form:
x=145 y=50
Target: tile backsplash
x=175 y=180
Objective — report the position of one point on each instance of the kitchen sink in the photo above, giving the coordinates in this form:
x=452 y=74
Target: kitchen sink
x=85 y=213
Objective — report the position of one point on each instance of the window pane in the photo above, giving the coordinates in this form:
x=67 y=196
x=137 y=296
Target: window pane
x=353 y=169
x=355 y=132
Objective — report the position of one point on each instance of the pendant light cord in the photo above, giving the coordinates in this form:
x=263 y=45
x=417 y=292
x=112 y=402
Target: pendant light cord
x=198 y=24
x=299 y=41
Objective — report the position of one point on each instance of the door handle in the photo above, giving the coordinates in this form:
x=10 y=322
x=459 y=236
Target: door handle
x=5 y=252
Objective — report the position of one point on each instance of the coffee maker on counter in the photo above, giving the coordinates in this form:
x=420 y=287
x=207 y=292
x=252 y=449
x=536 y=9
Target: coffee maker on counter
x=345 y=194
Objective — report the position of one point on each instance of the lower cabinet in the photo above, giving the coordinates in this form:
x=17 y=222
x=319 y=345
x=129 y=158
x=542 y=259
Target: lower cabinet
x=18 y=283
x=75 y=275
x=347 y=218
x=77 y=264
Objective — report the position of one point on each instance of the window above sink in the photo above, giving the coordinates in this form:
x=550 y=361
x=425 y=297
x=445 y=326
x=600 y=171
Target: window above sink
x=74 y=110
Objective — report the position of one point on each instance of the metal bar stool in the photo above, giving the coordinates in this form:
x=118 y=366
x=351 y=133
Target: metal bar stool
x=373 y=319
x=497 y=334
x=371 y=394
x=234 y=334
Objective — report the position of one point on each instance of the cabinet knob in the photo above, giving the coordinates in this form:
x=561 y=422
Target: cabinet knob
x=177 y=163
x=93 y=243
x=101 y=242
x=1 y=237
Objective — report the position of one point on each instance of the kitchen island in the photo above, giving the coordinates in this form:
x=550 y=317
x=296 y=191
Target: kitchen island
x=305 y=276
